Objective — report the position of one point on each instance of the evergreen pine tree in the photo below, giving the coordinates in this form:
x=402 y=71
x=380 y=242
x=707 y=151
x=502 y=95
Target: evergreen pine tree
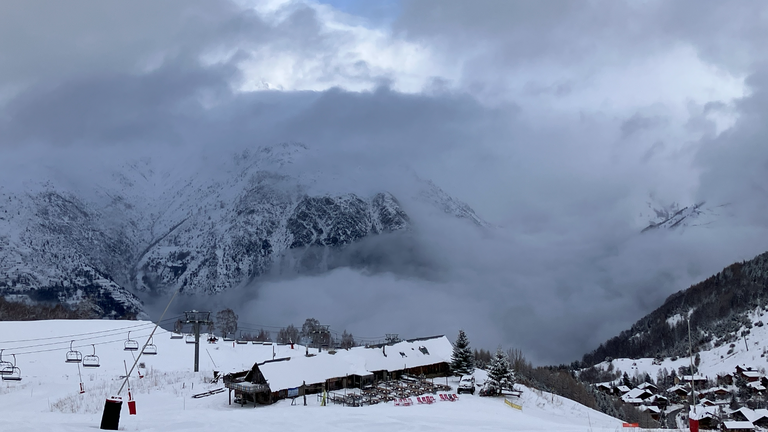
x=462 y=359
x=500 y=375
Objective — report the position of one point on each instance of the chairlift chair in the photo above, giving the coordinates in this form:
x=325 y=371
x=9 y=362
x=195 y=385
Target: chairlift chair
x=91 y=361
x=130 y=344
x=150 y=348
x=190 y=339
x=73 y=356
x=175 y=335
x=5 y=366
x=12 y=373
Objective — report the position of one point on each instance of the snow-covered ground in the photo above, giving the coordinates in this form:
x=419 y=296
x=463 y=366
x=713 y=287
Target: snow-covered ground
x=48 y=396
x=750 y=351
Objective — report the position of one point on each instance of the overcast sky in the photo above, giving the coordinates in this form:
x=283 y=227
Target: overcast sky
x=557 y=121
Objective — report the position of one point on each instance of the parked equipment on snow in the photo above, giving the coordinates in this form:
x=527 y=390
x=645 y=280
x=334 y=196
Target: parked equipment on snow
x=92 y=360
x=73 y=356
x=12 y=373
x=130 y=344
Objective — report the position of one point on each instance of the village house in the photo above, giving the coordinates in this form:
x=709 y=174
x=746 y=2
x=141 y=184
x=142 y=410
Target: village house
x=636 y=396
x=748 y=373
x=679 y=391
x=738 y=426
x=357 y=367
x=758 y=417
x=725 y=379
x=648 y=386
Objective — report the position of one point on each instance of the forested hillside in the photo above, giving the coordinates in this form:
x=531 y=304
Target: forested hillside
x=716 y=307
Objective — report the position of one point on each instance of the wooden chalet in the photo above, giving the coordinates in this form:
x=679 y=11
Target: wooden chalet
x=356 y=367
x=648 y=386
x=758 y=417
x=658 y=401
x=698 y=380
x=748 y=373
x=636 y=396
x=679 y=391
x=605 y=387
x=653 y=411
x=725 y=379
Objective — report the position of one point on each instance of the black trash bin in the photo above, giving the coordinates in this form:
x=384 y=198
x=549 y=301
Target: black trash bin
x=110 y=420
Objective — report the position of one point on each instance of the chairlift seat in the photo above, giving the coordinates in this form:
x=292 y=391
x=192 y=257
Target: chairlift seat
x=74 y=357
x=150 y=349
x=175 y=335
x=91 y=360
x=14 y=374
x=131 y=345
x=190 y=339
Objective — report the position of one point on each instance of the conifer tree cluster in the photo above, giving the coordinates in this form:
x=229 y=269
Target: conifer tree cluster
x=500 y=374
x=462 y=359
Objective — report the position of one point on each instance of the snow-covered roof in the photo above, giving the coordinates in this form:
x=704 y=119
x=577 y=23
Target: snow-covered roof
x=753 y=415
x=651 y=408
x=751 y=374
x=676 y=388
x=623 y=388
x=647 y=386
x=756 y=385
x=697 y=377
x=361 y=361
x=636 y=393
x=732 y=424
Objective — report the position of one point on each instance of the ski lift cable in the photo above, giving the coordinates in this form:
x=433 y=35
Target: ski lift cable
x=64 y=342
x=75 y=346
x=122 y=329
x=71 y=336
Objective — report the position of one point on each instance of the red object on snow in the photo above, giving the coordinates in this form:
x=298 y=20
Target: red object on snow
x=694 y=424
x=131 y=404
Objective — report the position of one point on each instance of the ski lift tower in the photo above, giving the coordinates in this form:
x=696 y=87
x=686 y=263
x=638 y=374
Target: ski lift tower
x=321 y=336
x=197 y=319
x=392 y=338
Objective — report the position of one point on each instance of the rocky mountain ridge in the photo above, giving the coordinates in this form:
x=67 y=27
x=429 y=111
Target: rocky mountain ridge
x=142 y=228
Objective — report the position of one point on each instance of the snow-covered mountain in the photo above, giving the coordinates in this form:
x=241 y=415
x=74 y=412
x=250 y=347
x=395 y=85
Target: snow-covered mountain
x=672 y=216
x=149 y=227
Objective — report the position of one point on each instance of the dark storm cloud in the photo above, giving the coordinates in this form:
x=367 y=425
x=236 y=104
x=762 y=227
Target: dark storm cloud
x=564 y=266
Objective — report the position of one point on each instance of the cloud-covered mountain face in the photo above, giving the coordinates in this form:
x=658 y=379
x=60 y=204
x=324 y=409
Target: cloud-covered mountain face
x=123 y=132
x=145 y=228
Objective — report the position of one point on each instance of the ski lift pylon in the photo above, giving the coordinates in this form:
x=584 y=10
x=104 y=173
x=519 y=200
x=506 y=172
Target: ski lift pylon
x=130 y=344
x=150 y=348
x=73 y=356
x=12 y=373
x=91 y=361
